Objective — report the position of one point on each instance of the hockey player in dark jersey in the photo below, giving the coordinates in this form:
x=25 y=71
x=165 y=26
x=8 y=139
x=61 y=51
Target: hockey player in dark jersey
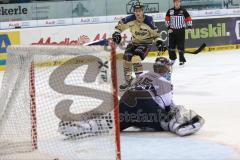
x=147 y=105
x=177 y=19
x=144 y=33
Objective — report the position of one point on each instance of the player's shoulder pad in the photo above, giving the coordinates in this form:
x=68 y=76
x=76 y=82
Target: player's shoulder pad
x=149 y=21
x=128 y=19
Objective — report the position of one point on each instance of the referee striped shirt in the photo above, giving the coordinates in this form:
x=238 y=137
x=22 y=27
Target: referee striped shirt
x=178 y=19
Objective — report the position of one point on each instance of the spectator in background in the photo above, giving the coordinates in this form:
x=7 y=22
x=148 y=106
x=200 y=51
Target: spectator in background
x=177 y=19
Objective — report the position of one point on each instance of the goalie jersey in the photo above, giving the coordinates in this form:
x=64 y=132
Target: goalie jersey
x=158 y=86
x=144 y=32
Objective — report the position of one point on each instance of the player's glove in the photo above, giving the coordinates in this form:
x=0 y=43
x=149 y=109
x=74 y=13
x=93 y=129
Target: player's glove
x=161 y=46
x=116 y=36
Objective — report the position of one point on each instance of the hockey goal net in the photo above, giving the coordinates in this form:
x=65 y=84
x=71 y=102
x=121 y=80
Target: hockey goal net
x=45 y=88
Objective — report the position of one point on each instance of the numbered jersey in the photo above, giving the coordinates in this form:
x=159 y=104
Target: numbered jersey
x=159 y=86
x=142 y=32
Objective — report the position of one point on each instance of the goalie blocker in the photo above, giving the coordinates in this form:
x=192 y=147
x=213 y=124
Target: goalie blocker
x=147 y=104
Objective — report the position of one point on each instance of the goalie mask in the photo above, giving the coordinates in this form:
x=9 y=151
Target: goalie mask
x=162 y=65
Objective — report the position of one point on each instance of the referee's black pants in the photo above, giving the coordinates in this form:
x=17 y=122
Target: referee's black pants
x=177 y=39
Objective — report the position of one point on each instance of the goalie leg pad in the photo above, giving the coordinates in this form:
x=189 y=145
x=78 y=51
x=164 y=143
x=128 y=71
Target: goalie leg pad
x=191 y=127
x=73 y=129
x=182 y=121
x=78 y=129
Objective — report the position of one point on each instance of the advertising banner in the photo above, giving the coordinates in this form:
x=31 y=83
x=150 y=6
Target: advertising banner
x=213 y=4
x=213 y=32
x=16 y=12
x=235 y=30
x=67 y=35
x=36 y=14
x=35 y=11
x=6 y=39
x=217 y=33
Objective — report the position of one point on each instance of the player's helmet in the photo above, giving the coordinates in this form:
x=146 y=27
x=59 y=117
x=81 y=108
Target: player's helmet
x=177 y=0
x=137 y=5
x=162 y=65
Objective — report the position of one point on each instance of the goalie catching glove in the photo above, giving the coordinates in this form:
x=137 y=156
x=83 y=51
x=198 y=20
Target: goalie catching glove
x=116 y=36
x=161 y=46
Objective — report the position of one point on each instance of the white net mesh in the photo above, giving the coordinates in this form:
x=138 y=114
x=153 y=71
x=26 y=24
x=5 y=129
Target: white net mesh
x=57 y=102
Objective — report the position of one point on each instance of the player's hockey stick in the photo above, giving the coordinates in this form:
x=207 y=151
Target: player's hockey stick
x=105 y=42
x=101 y=42
x=197 y=50
x=190 y=52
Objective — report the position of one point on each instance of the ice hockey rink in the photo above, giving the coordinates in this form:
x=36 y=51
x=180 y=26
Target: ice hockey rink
x=209 y=83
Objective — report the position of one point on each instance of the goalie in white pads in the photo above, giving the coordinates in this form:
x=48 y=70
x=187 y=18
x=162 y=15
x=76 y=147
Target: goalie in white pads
x=147 y=104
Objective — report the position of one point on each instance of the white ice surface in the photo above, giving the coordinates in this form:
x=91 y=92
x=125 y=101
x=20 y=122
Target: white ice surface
x=209 y=83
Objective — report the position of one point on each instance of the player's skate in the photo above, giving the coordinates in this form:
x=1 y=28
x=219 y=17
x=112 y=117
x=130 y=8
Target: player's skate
x=181 y=63
x=126 y=85
x=172 y=62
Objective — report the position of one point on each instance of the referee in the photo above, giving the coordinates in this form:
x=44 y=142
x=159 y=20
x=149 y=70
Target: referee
x=177 y=19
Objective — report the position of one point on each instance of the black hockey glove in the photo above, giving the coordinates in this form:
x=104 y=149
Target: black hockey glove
x=116 y=36
x=161 y=46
